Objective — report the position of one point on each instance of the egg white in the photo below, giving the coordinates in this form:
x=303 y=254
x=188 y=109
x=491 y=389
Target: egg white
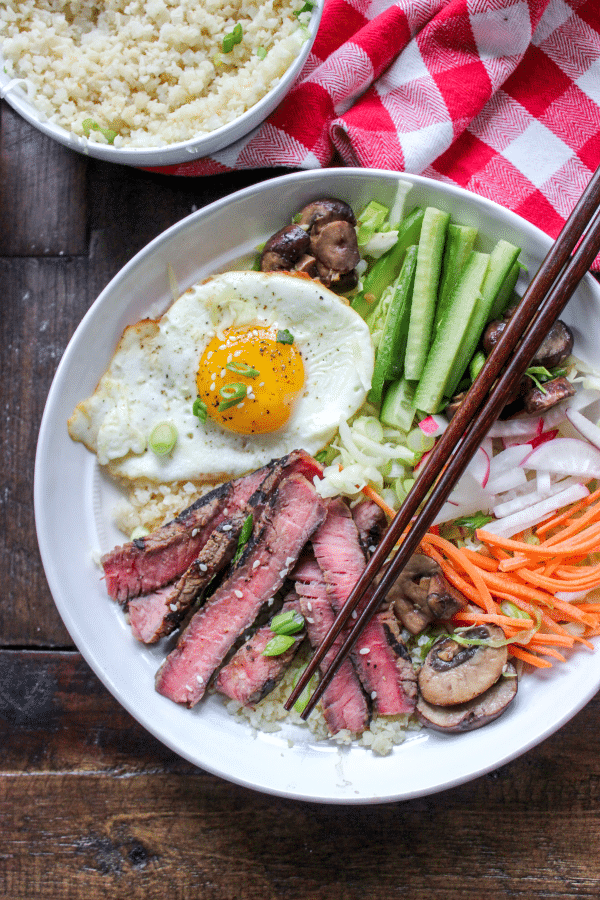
x=152 y=379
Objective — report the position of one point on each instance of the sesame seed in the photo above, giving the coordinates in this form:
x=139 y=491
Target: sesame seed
x=230 y=357
x=354 y=614
x=194 y=532
x=187 y=687
x=203 y=567
x=223 y=373
x=310 y=621
x=199 y=679
x=173 y=607
x=373 y=695
x=213 y=376
x=238 y=594
x=283 y=573
x=212 y=386
x=372 y=548
x=364 y=650
x=256 y=564
x=226 y=528
x=289 y=560
x=271 y=601
x=309 y=606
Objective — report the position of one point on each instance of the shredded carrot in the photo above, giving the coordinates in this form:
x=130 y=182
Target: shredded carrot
x=529 y=657
x=372 y=494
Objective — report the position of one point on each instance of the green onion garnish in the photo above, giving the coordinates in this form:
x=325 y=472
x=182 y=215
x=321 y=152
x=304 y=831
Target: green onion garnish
x=89 y=125
x=285 y=337
x=304 y=697
x=244 y=537
x=242 y=368
x=163 y=438
x=321 y=456
x=278 y=645
x=200 y=409
x=231 y=394
x=232 y=38
x=287 y=622
x=308 y=7
x=261 y=53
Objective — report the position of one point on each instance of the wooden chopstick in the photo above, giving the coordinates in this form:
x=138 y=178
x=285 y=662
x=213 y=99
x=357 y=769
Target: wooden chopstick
x=540 y=307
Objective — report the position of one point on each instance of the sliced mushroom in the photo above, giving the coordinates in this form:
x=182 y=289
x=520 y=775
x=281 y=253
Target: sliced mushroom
x=537 y=400
x=452 y=407
x=336 y=247
x=555 y=347
x=421 y=594
x=284 y=249
x=320 y=212
x=453 y=673
x=553 y=350
x=307 y=264
x=336 y=281
x=475 y=713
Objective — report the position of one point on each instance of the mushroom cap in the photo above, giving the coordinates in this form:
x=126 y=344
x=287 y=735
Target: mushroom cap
x=284 y=248
x=475 y=713
x=453 y=673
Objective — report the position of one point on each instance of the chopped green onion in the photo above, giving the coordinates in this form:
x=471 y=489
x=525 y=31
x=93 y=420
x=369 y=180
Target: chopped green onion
x=244 y=537
x=261 y=53
x=278 y=645
x=231 y=394
x=242 y=368
x=200 y=409
x=509 y=609
x=287 y=622
x=285 y=337
x=89 y=125
x=300 y=704
x=308 y=7
x=321 y=456
x=232 y=38
x=163 y=438
x=477 y=520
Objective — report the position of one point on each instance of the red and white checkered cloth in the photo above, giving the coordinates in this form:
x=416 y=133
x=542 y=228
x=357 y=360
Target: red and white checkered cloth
x=501 y=97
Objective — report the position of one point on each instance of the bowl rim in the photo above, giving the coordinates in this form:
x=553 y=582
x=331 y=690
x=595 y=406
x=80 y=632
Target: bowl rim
x=177 y=153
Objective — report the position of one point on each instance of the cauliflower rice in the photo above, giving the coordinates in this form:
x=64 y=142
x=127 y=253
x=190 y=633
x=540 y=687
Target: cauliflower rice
x=153 y=71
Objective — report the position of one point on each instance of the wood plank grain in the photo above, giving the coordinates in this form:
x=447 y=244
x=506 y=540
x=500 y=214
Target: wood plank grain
x=42 y=192
x=92 y=806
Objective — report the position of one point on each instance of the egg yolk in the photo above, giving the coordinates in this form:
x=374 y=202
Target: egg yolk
x=249 y=379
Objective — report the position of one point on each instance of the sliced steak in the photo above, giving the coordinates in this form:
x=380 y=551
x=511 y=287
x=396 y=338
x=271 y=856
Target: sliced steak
x=249 y=676
x=156 y=615
x=147 y=563
x=338 y=551
x=371 y=522
x=295 y=510
x=343 y=701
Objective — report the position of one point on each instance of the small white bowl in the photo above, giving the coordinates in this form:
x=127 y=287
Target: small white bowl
x=172 y=154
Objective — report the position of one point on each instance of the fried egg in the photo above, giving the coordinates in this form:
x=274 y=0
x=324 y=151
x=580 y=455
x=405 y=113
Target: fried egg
x=244 y=367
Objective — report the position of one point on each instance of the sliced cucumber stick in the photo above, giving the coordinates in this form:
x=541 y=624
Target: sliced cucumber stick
x=397 y=409
x=451 y=334
x=387 y=267
x=425 y=291
x=505 y=294
x=502 y=259
x=459 y=243
x=395 y=330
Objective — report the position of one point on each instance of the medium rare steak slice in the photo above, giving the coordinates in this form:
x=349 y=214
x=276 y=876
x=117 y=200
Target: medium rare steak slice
x=338 y=551
x=147 y=563
x=249 y=676
x=155 y=615
x=343 y=701
x=371 y=522
x=295 y=510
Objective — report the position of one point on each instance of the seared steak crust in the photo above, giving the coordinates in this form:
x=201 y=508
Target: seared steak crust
x=156 y=615
x=145 y=564
x=293 y=513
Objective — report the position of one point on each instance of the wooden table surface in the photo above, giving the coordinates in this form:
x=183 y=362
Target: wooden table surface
x=91 y=806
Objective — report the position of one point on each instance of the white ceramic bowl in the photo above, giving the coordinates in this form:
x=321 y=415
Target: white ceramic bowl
x=184 y=151
x=73 y=502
